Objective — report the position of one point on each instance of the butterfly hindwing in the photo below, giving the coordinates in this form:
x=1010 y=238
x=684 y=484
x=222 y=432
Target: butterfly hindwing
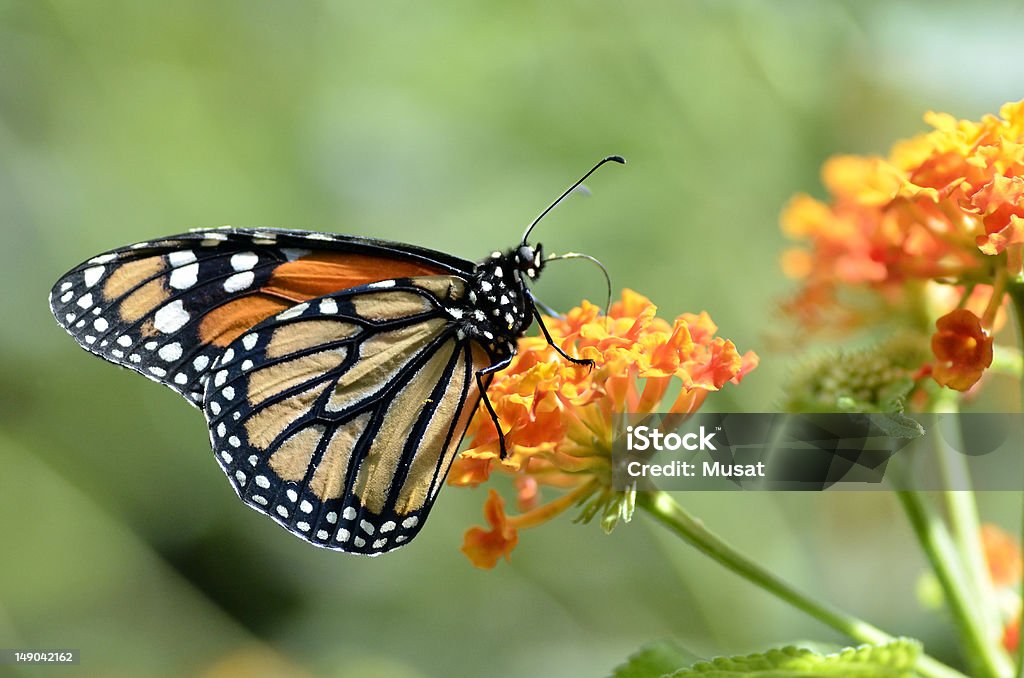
x=340 y=416
x=168 y=308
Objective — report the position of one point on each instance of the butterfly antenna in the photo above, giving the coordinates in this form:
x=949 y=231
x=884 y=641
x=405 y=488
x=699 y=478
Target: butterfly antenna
x=607 y=278
x=611 y=158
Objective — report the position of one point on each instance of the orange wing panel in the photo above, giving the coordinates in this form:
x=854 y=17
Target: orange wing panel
x=324 y=272
x=307 y=277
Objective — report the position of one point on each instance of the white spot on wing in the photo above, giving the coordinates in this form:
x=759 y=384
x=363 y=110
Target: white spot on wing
x=383 y=284
x=171 y=318
x=249 y=341
x=293 y=312
x=85 y=301
x=181 y=257
x=92 y=275
x=170 y=352
x=328 y=306
x=184 y=277
x=239 y=281
x=244 y=261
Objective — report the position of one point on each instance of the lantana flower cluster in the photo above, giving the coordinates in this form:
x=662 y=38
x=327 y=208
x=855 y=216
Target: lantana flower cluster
x=558 y=417
x=943 y=207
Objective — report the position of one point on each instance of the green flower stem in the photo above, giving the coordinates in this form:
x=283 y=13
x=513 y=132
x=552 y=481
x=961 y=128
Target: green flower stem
x=931 y=532
x=1016 y=290
x=667 y=512
x=962 y=510
x=1007 y=360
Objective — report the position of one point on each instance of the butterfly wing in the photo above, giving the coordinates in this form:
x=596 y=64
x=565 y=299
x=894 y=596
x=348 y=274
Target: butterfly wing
x=168 y=308
x=340 y=417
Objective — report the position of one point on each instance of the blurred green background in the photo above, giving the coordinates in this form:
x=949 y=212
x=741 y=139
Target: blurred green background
x=448 y=125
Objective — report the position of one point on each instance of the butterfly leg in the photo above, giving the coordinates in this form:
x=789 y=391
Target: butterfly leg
x=558 y=349
x=486 y=372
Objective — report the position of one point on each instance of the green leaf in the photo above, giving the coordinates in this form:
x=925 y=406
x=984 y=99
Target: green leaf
x=893 y=660
x=896 y=425
x=655 y=660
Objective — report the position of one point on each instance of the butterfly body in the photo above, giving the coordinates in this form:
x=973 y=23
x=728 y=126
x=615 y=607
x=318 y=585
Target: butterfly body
x=498 y=306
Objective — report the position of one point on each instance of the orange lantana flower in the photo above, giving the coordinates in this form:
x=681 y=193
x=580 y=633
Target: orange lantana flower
x=943 y=207
x=963 y=349
x=557 y=416
x=485 y=547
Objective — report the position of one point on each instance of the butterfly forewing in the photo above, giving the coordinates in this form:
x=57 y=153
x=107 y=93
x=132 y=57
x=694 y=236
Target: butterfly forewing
x=169 y=308
x=340 y=416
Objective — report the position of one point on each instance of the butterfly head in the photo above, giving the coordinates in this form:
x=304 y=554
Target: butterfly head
x=529 y=260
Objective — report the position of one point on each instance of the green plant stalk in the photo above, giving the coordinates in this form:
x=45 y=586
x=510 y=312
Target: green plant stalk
x=667 y=512
x=1015 y=288
x=1007 y=360
x=963 y=516
x=931 y=532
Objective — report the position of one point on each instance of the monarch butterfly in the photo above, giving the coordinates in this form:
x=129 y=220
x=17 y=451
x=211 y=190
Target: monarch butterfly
x=337 y=374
